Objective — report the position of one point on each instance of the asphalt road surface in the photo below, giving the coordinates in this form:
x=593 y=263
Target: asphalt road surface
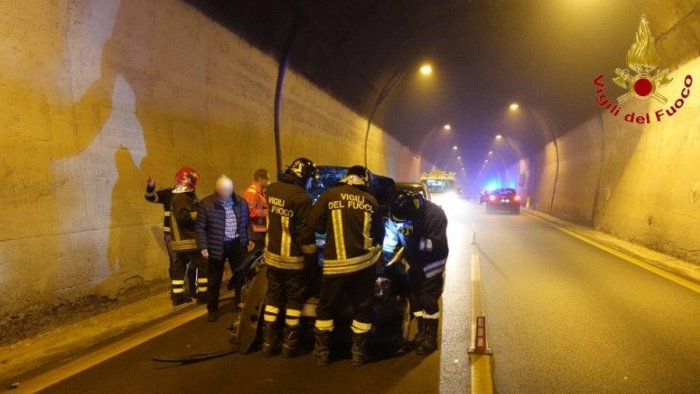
x=563 y=316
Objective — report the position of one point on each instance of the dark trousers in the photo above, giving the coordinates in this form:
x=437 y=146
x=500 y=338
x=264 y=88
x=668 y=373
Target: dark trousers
x=234 y=253
x=191 y=267
x=286 y=288
x=424 y=292
x=172 y=256
x=359 y=286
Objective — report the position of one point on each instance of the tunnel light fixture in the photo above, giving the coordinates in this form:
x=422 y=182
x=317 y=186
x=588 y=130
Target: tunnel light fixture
x=455 y=147
x=426 y=69
x=499 y=137
x=514 y=106
x=447 y=127
x=490 y=152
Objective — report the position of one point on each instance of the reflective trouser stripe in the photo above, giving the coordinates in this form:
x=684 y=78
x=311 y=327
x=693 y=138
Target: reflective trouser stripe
x=435 y=268
x=293 y=317
x=178 y=286
x=418 y=314
x=271 y=313
x=286 y=242
x=431 y=317
x=324 y=325
x=337 y=217
x=202 y=284
x=360 y=328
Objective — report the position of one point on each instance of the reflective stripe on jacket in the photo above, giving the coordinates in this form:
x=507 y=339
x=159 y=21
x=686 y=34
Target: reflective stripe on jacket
x=289 y=233
x=354 y=228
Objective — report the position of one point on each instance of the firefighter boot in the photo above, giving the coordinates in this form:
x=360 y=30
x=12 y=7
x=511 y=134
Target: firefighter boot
x=420 y=335
x=429 y=343
x=291 y=341
x=359 y=349
x=271 y=339
x=322 y=351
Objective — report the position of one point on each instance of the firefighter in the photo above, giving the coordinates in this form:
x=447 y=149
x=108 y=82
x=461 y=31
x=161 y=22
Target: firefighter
x=163 y=197
x=257 y=207
x=423 y=227
x=184 y=211
x=290 y=250
x=349 y=216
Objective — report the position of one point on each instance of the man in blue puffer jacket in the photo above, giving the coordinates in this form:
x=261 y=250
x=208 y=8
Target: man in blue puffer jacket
x=222 y=235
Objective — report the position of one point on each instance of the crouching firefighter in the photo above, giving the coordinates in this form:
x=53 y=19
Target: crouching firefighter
x=184 y=213
x=424 y=234
x=349 y=216
x=290 y=249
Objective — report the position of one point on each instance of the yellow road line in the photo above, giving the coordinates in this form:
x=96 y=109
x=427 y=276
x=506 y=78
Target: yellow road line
x=480 y=364
x=74 y=367
x=482 y=374
x=630 y=259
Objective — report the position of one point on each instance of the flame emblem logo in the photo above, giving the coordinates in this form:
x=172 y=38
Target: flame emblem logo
x=643 y=60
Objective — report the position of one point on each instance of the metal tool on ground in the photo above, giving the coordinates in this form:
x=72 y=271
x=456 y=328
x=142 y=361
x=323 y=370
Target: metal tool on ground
x=193 y=358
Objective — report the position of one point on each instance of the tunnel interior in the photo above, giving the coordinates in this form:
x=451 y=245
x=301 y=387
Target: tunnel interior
x=99 y=96
x=486 y=55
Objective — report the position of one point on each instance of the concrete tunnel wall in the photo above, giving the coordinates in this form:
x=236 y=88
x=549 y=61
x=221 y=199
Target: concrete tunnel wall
x=97 y=96
x=638 y=182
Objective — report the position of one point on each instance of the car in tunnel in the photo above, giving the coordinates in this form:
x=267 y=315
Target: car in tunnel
x=414 y=187
x=503 y=200
x=392 y=312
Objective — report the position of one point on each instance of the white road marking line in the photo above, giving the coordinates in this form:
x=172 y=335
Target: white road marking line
x=65 y=371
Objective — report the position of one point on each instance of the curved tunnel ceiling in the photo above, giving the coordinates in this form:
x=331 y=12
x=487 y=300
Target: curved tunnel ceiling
x=543 y=54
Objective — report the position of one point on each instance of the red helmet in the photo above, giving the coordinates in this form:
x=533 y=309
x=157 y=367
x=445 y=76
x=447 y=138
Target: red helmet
x=187 y=177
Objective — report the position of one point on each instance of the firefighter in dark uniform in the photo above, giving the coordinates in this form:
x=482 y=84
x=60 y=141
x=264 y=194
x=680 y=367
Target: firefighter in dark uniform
x=184 y=210
x=163 y=197
x=290 y=249
x=349 y=216
x=423 y=227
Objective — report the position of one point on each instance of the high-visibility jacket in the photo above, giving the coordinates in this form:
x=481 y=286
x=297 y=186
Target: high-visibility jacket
x=162 y=196
x=354 y=228
x=257 y=208
x=289 y=232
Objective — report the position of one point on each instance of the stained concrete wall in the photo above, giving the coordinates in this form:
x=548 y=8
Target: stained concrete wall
x=638 y=182
x=99 y=95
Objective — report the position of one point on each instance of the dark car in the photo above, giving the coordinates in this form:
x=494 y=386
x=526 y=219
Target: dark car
x=391 y=309
x=503 y=200
x=414 y=187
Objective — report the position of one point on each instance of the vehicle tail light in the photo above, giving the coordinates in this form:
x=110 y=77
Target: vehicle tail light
x=492 y=198
x=517 y=198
